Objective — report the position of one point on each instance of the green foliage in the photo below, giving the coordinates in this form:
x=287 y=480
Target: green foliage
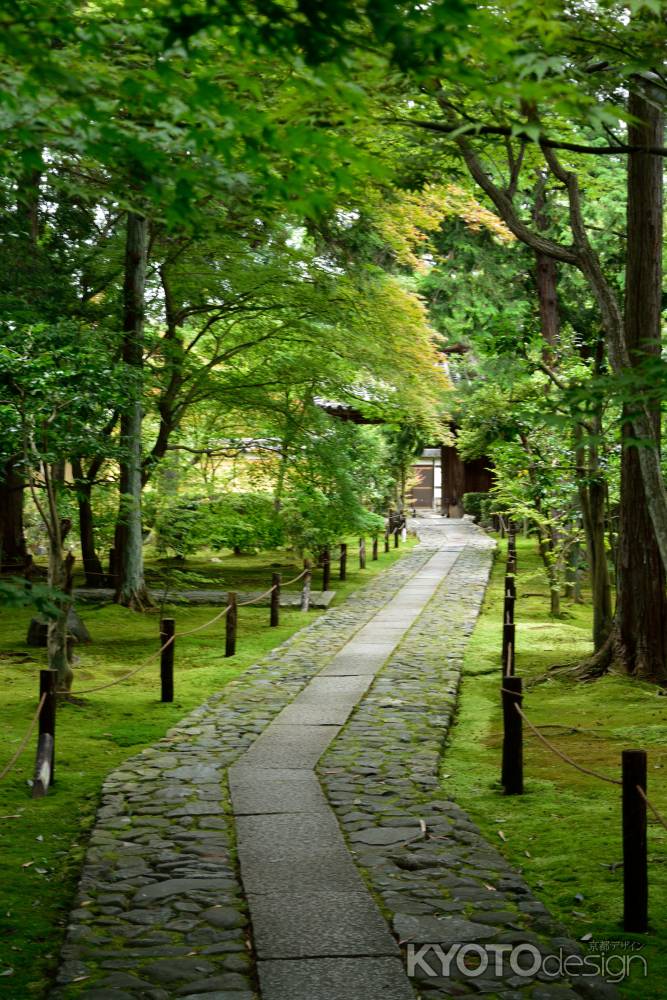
x=19 y=593
x=473 y=504
x=241 y=521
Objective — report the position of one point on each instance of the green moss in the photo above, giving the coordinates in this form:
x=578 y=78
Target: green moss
x=565 y=832
x=42 y=842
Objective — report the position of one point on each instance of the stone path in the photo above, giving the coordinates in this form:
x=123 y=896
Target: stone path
x=307 y=901
x=219 y=868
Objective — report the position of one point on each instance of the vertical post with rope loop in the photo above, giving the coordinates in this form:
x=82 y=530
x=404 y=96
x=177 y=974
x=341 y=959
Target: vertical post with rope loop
x=342 y=571
x=635 y=852
x=230 y=624
x=274 y=615
x=512 y=764
x=45 y=762
x=167 y=644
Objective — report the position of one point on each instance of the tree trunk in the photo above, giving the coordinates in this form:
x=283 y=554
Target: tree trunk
x=92 y=566
x=593 y=502
x=641 y=613
x=132 y=591
x=13 y=551
x=59 y=578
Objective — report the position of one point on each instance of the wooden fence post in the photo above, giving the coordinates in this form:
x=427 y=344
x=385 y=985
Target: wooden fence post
x=512 y=764
x=305 y=593
x=342 y=573
x=230 y=624
x=509 y=648
x=326 y=569
x=375 y=548
x=396 y=531
x=45 y=762
x=112 y=567
x=362 y=553
x=386 y=541
x=167 y=632
x=274 y=617
x=635 y=860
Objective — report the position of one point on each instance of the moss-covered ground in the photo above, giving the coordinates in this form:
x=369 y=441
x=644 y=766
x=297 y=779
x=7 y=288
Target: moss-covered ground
x=42 y=842
x=565 y=831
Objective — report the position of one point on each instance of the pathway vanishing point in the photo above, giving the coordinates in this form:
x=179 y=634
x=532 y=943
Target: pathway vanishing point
x=224 y=865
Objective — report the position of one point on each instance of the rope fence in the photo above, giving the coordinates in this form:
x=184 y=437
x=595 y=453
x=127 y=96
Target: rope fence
x=45 y=711
x=24 y=742
x=634 y=767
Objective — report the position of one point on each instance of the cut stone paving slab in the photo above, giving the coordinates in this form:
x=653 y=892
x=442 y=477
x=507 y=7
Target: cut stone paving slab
x=256 y=791
x=314 y=924
x=335 y=979
x=290 y=746
x=305 y=714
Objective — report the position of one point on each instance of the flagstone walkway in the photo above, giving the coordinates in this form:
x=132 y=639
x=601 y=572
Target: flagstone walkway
x=223 y=866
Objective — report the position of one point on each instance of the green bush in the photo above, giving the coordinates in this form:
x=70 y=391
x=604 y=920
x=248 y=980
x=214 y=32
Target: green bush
x=313 y=519
x=245 y=522
x=474 y=504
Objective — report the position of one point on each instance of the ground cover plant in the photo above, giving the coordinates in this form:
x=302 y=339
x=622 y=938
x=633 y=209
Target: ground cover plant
x=42 y=842
x=564 y=833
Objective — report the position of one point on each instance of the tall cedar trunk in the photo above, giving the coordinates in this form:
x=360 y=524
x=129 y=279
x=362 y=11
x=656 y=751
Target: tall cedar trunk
x=56 y=633
x=546 y=276
x=593 y=502
x=640 y=639
x=92 y=566
x=131 y=590
x=13 y=551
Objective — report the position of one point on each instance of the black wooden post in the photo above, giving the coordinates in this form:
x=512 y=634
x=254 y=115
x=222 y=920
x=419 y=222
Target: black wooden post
x=386 y=541
x=375 y=548
x=635 y=861
x=230 y=624
x=274 y=618
x=362 y=553
x=510 y=600
x=509 y=631
x=45 y=761
x=396 y=534
x=512 y=764
x=167 y=632
x=326 y=568
x=342 y=573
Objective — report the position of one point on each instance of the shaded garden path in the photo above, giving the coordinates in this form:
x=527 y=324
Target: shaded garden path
x=217 y=867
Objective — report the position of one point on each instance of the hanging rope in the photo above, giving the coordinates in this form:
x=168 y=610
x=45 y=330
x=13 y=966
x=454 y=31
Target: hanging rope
x=651 y=807
x=556 y=751
x=24 y=742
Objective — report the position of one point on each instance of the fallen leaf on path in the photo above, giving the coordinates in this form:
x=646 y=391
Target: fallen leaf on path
x=502 y=835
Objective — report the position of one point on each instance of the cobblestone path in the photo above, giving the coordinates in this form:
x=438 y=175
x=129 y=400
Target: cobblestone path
x=221 y=867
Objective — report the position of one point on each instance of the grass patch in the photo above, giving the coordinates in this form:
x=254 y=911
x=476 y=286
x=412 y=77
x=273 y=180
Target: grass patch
x=565 y=832
x=42 y=843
